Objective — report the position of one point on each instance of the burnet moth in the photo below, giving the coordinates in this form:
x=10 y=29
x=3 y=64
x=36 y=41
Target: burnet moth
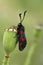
x=21 y=33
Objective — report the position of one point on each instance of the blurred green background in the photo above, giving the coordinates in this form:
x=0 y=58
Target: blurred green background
x=9 y=10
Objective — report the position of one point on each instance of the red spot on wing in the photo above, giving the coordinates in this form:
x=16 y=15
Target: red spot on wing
x=21 y=32
x=22 y=39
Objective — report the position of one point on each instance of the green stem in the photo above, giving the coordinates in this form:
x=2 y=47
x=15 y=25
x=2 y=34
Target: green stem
x=30 y=53
x=33 y=46
x=6 y=58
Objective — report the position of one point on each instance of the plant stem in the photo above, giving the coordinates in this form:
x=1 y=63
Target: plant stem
x=6 y=58
x=33 y=46
x=30 y=53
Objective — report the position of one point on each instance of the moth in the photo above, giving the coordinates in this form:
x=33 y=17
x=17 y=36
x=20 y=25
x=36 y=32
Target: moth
x=21 y=33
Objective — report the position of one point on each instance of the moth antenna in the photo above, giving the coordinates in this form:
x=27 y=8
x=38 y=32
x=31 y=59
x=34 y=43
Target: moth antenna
x=20 y=17
x=24 y=15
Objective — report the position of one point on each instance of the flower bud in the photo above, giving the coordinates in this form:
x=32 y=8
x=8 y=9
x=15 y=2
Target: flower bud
x=9 y=39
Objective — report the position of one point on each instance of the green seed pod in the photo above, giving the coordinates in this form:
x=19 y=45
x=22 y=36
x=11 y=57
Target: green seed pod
x=9 y=39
